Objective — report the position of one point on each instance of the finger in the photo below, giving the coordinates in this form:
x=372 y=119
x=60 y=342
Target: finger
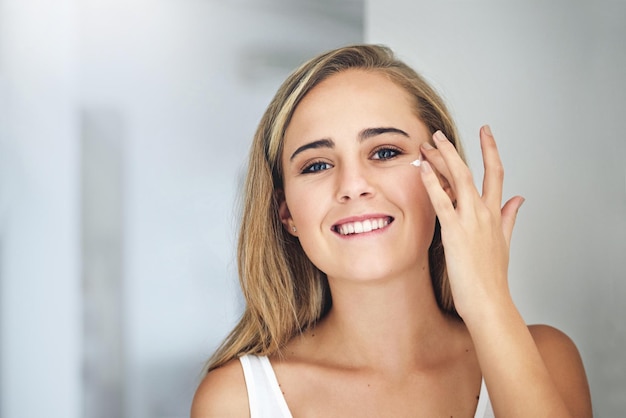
x=433 y=156
x=494 y=171
x=460 y=175
x=509 y=215
x=438 y=197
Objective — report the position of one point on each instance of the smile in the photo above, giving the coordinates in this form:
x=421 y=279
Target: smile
x=360 y=227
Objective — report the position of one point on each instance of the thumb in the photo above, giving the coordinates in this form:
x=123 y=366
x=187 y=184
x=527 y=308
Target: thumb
x=509 y=215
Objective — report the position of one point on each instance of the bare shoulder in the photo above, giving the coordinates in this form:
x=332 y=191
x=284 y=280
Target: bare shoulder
x=563 y=361
x=222 y=393
x=556 y=348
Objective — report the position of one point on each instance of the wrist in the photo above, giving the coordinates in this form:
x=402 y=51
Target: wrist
x=489 y=310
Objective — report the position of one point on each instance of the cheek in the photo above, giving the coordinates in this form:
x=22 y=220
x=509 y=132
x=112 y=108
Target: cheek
x=411 y=194
x=410 y=185
x=299 y=201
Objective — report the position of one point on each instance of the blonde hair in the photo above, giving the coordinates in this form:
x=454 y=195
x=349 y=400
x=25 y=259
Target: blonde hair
x=284 y=292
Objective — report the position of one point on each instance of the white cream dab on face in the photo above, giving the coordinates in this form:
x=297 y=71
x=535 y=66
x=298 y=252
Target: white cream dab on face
x=416 y=163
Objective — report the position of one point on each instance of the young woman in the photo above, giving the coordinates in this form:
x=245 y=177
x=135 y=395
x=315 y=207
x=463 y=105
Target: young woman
x=375 y=287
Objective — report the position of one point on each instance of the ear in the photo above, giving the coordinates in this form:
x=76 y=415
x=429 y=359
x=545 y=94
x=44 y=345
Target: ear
x=284 y=214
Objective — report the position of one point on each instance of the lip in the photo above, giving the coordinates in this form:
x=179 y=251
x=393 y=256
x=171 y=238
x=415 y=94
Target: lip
x=368 y=224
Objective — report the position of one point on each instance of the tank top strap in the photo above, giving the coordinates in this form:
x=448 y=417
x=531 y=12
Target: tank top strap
x=265 y=397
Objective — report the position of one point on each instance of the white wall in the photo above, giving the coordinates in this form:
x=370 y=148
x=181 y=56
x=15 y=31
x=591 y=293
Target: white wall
x=39 y=237
x=548 y=78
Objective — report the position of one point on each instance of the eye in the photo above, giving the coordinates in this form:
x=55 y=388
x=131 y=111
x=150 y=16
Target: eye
x=315 y=167
x=385 y=153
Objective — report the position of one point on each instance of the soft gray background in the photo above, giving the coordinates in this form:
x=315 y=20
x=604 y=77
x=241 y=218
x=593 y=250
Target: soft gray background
x=124 y=127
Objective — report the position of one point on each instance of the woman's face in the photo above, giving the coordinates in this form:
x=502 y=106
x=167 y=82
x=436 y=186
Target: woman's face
x=359 y=208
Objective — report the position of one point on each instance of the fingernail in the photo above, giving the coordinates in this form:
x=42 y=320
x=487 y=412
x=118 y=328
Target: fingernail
x=488 y=130
x=427 y=146
x=439 y=136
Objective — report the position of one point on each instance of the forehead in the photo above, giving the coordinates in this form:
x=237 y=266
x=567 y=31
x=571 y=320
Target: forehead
x=356 y=87
x=348 y=102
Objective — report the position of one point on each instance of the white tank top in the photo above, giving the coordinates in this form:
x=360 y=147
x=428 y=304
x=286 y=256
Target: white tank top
x=267 y=401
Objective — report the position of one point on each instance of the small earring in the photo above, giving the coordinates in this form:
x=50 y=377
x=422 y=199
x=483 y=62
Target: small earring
x=293 y=228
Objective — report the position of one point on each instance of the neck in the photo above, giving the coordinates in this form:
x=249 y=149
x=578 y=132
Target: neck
x=392 y=324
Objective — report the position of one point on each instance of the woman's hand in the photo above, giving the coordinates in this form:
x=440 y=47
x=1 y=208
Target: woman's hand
x=475 y=229
x=529 y=372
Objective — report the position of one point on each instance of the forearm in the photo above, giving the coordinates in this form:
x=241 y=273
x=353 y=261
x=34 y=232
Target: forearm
x=517 y=378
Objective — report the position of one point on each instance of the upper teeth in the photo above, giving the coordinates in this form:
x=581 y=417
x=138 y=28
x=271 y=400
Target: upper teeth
x=364 y=226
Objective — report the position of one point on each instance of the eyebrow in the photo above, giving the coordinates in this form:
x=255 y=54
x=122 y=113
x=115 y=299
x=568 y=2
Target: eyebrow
x=321 y=143
x=370 y=132
x=363 y=135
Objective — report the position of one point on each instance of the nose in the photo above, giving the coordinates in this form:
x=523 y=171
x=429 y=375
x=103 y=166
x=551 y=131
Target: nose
x=354 y=182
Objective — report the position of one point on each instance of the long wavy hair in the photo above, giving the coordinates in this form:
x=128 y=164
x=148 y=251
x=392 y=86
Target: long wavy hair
x=284 y=292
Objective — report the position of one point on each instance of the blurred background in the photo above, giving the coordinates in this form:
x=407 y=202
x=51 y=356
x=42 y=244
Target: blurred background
x=124 y=131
